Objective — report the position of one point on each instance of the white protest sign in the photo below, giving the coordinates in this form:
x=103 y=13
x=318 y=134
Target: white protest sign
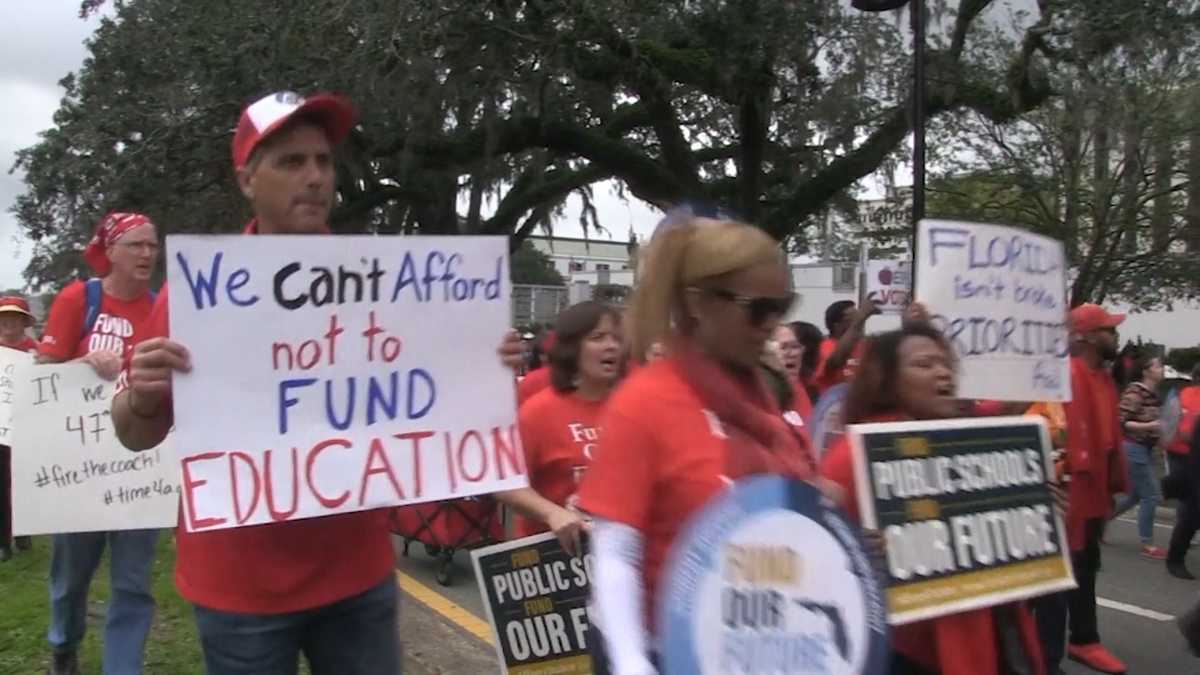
x=10 y=361
x=69 y=471
x=999 y=295
x=888 y=284
x=339 y=373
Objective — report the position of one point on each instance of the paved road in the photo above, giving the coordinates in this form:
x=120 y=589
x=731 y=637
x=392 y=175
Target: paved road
x=1137 y=624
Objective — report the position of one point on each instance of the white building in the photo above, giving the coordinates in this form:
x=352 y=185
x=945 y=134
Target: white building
x=573 y=256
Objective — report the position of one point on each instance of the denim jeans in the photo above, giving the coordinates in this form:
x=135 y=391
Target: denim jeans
x=1144 y=491
x=73 y=563
x=356 y=636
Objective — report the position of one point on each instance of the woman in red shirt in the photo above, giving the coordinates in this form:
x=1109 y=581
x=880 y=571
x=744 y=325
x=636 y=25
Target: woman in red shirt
x=680 y=429
x=792 y=353
x=560 y=425
x=15 y=320
x=909 y=374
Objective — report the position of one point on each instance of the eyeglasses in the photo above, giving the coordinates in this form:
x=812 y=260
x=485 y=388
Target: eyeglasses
x=759 y=309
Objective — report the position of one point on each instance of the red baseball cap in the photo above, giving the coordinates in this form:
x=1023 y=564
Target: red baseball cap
x=1089 y=317
x=266 y=115
x=12 y=304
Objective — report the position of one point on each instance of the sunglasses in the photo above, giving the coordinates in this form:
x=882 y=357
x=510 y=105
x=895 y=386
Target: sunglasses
x=758 y=309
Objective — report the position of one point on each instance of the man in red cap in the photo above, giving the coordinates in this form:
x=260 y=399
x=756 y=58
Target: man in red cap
x=1096 y=467
x=15 y=320
x=97 y=321
x=321 y=586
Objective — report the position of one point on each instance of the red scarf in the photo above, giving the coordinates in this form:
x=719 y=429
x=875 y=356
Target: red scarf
x=760 y=440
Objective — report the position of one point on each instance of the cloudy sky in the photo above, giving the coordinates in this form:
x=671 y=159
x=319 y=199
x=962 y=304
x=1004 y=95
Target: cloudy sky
x=44 y=43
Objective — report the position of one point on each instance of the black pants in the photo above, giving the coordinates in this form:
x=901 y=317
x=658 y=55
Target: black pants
x=5 y=495
x=1050 y=611
x=1187 y=520
x=1081 y=602
x=1075 y=609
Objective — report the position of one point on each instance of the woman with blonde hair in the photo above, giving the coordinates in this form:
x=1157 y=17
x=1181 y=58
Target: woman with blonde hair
x=680 y=429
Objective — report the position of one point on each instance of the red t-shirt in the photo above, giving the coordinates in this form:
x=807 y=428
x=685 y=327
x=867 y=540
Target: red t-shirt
x=532 y=384
x=801 y=403
x=661 y=459
x=279 y=567
x=1094 y=459
x=824 y=378
x=116 y=329
x=559 y=432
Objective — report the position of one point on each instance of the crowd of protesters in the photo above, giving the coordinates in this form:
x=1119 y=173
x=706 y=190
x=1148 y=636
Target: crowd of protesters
x=631 y=421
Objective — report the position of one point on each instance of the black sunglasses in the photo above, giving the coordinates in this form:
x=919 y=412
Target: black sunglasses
x=759 y=309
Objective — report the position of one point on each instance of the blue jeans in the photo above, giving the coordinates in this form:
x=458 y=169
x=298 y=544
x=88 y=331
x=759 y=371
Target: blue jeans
x=73 y=563
x=356 y=636
x=1143 y=492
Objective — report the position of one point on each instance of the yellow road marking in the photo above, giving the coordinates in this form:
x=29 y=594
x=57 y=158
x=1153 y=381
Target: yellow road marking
x=446 y=607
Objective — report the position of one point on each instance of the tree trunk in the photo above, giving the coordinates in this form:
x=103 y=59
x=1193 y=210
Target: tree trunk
x=1164 y=172
x=1131 y=166
x=1193 y=171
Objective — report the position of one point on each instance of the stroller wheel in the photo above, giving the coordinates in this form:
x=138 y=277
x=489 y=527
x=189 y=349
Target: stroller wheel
x=444 y=571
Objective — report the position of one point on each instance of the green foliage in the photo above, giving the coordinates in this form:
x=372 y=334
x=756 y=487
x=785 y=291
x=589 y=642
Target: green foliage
x=1184 y=359
x=530 y=266
x=483 y=117
x=1111 y=166
x=171 y=648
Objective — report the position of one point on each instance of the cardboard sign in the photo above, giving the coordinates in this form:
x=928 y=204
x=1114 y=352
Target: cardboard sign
x=337 y=374
x=1000 y=296
x=69 y=471
x=888 y=283
x=10 y=361
x=965 y=512
x=536 y=598
x=768 y=578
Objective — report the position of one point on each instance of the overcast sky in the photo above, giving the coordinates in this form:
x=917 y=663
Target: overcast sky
x=43 y=42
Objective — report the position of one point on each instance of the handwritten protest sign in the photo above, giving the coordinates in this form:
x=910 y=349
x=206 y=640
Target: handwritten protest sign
x=10 y=361
x=888 y=283
x=336 y=374
x=536 y=598
x=69 y=471
x=769 y=578
x=965 y=512
x=999 y=295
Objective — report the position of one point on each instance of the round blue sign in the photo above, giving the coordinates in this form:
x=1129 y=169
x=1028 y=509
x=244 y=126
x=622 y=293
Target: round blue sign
x=768 y=578
x=826 y=418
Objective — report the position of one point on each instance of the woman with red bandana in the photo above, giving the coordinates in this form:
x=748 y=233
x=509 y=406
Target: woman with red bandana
x=909 y=374
x=680 y=428
x=98 y=322
x=15 y=320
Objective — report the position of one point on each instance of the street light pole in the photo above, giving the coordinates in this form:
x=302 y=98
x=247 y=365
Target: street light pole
x=917 y=14
x=917 y=11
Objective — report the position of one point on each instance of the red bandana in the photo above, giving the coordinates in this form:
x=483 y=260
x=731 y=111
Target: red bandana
x=111 y=228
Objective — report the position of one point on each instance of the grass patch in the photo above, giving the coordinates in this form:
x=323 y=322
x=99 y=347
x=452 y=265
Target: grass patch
x=172 y=648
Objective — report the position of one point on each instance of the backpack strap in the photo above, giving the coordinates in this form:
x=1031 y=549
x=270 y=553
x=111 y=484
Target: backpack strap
x=94 y=294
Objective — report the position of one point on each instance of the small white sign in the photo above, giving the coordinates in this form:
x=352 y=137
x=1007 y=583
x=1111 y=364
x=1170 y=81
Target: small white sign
x=889 y=283
x=10 y=361
x=69 y=471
